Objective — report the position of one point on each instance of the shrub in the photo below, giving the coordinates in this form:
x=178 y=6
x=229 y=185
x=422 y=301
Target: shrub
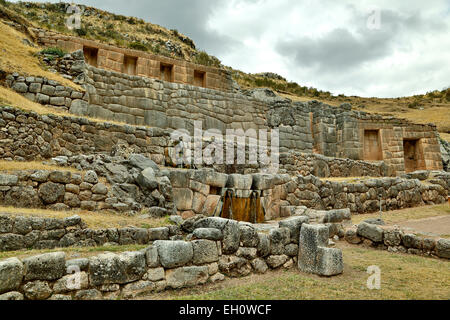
x=54 y=51
x=81 y=32
x=205 y=59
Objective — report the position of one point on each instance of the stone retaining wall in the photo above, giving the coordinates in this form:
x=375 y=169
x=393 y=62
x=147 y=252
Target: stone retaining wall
x=18 y=232
x=394 y=239
x=26 y=135
x=47 y=92
x=318 y=165
x=219 y=248
x=363 y=196
x=57 y=190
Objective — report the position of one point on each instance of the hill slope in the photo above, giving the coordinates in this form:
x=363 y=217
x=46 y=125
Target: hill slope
x=130 y=32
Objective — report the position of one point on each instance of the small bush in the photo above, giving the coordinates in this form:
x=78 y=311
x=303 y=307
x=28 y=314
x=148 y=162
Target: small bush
x=205 y=59
x=138 y=46
x=81 y=32
x=54 y=51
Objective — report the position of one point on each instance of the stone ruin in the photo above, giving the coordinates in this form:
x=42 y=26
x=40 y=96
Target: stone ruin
x=219 y=212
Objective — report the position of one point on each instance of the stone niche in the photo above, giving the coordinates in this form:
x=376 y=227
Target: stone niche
x=372 y=145
x=91 y=55
x=414 y=159
x=166 y=72
x=129 y=65
x=199 y=79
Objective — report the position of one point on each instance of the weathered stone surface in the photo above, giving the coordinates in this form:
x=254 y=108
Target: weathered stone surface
x=370 y=231
x=11 y=274
x=211 y=222
x=51 y=192
x=8 y=180
x=208 y=234
x=352 y=237
x=239 y=181
x=37 y=290
x=89 y=294
x=247 y=253
x=13 y=295
x=147 y=180
x=91 y=177
x=233 y=266
x=313 y=256
x=174 y=254
x=138 y=288
x=412 y=241
x=6 y=224
x=231 y=237
x=186 y=276
x=443 y=248
x=141 y=162
x=294 y=225
x=47 y=266
x=152 y=257
x=264 y=247
x=249 y=236
x=291 y=249
x=154 y=274
x=183 y=198
x=161 y=233
x=279 y=237
x=109 y=268
x=205 y=251
x=392 y=237
x=276 y=261
x=259 y=265
x=72 y=282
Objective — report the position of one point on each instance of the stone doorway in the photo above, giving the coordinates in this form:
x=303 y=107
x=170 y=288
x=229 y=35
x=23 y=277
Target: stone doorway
x=411 y=152
x=372 y=145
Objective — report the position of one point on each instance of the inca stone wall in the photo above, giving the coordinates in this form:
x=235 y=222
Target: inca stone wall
x=363 y=196
x=21 y=232
x=218 y=248
x=143 y=64
x=29 y=136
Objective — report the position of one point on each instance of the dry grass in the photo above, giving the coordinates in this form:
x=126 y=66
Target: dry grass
x=396 y=216
x=445 y=136
x=403 y=277
x=7 y=166
x=94 y=220
x=18 y=57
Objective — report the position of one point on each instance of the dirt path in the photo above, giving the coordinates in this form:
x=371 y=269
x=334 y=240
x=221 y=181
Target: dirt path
x=434 y=226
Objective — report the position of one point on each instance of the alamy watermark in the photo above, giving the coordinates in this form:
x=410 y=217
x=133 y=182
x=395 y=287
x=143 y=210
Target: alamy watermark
x=74 y=20
x=207 y=147
x=374 y=20
x=374 y=281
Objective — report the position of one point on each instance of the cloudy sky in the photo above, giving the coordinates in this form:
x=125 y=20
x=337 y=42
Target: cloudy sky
x=380 y=48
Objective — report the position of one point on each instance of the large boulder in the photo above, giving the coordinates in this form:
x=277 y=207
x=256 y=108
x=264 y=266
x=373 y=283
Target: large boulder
x=110 y=268
x=47 y=266
x=51 y=192
x=11 y=274
x=37 y=290
x=370 y=231
x=174 y=254
x=231 y=237
x=141 y=162
x=147 y=180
